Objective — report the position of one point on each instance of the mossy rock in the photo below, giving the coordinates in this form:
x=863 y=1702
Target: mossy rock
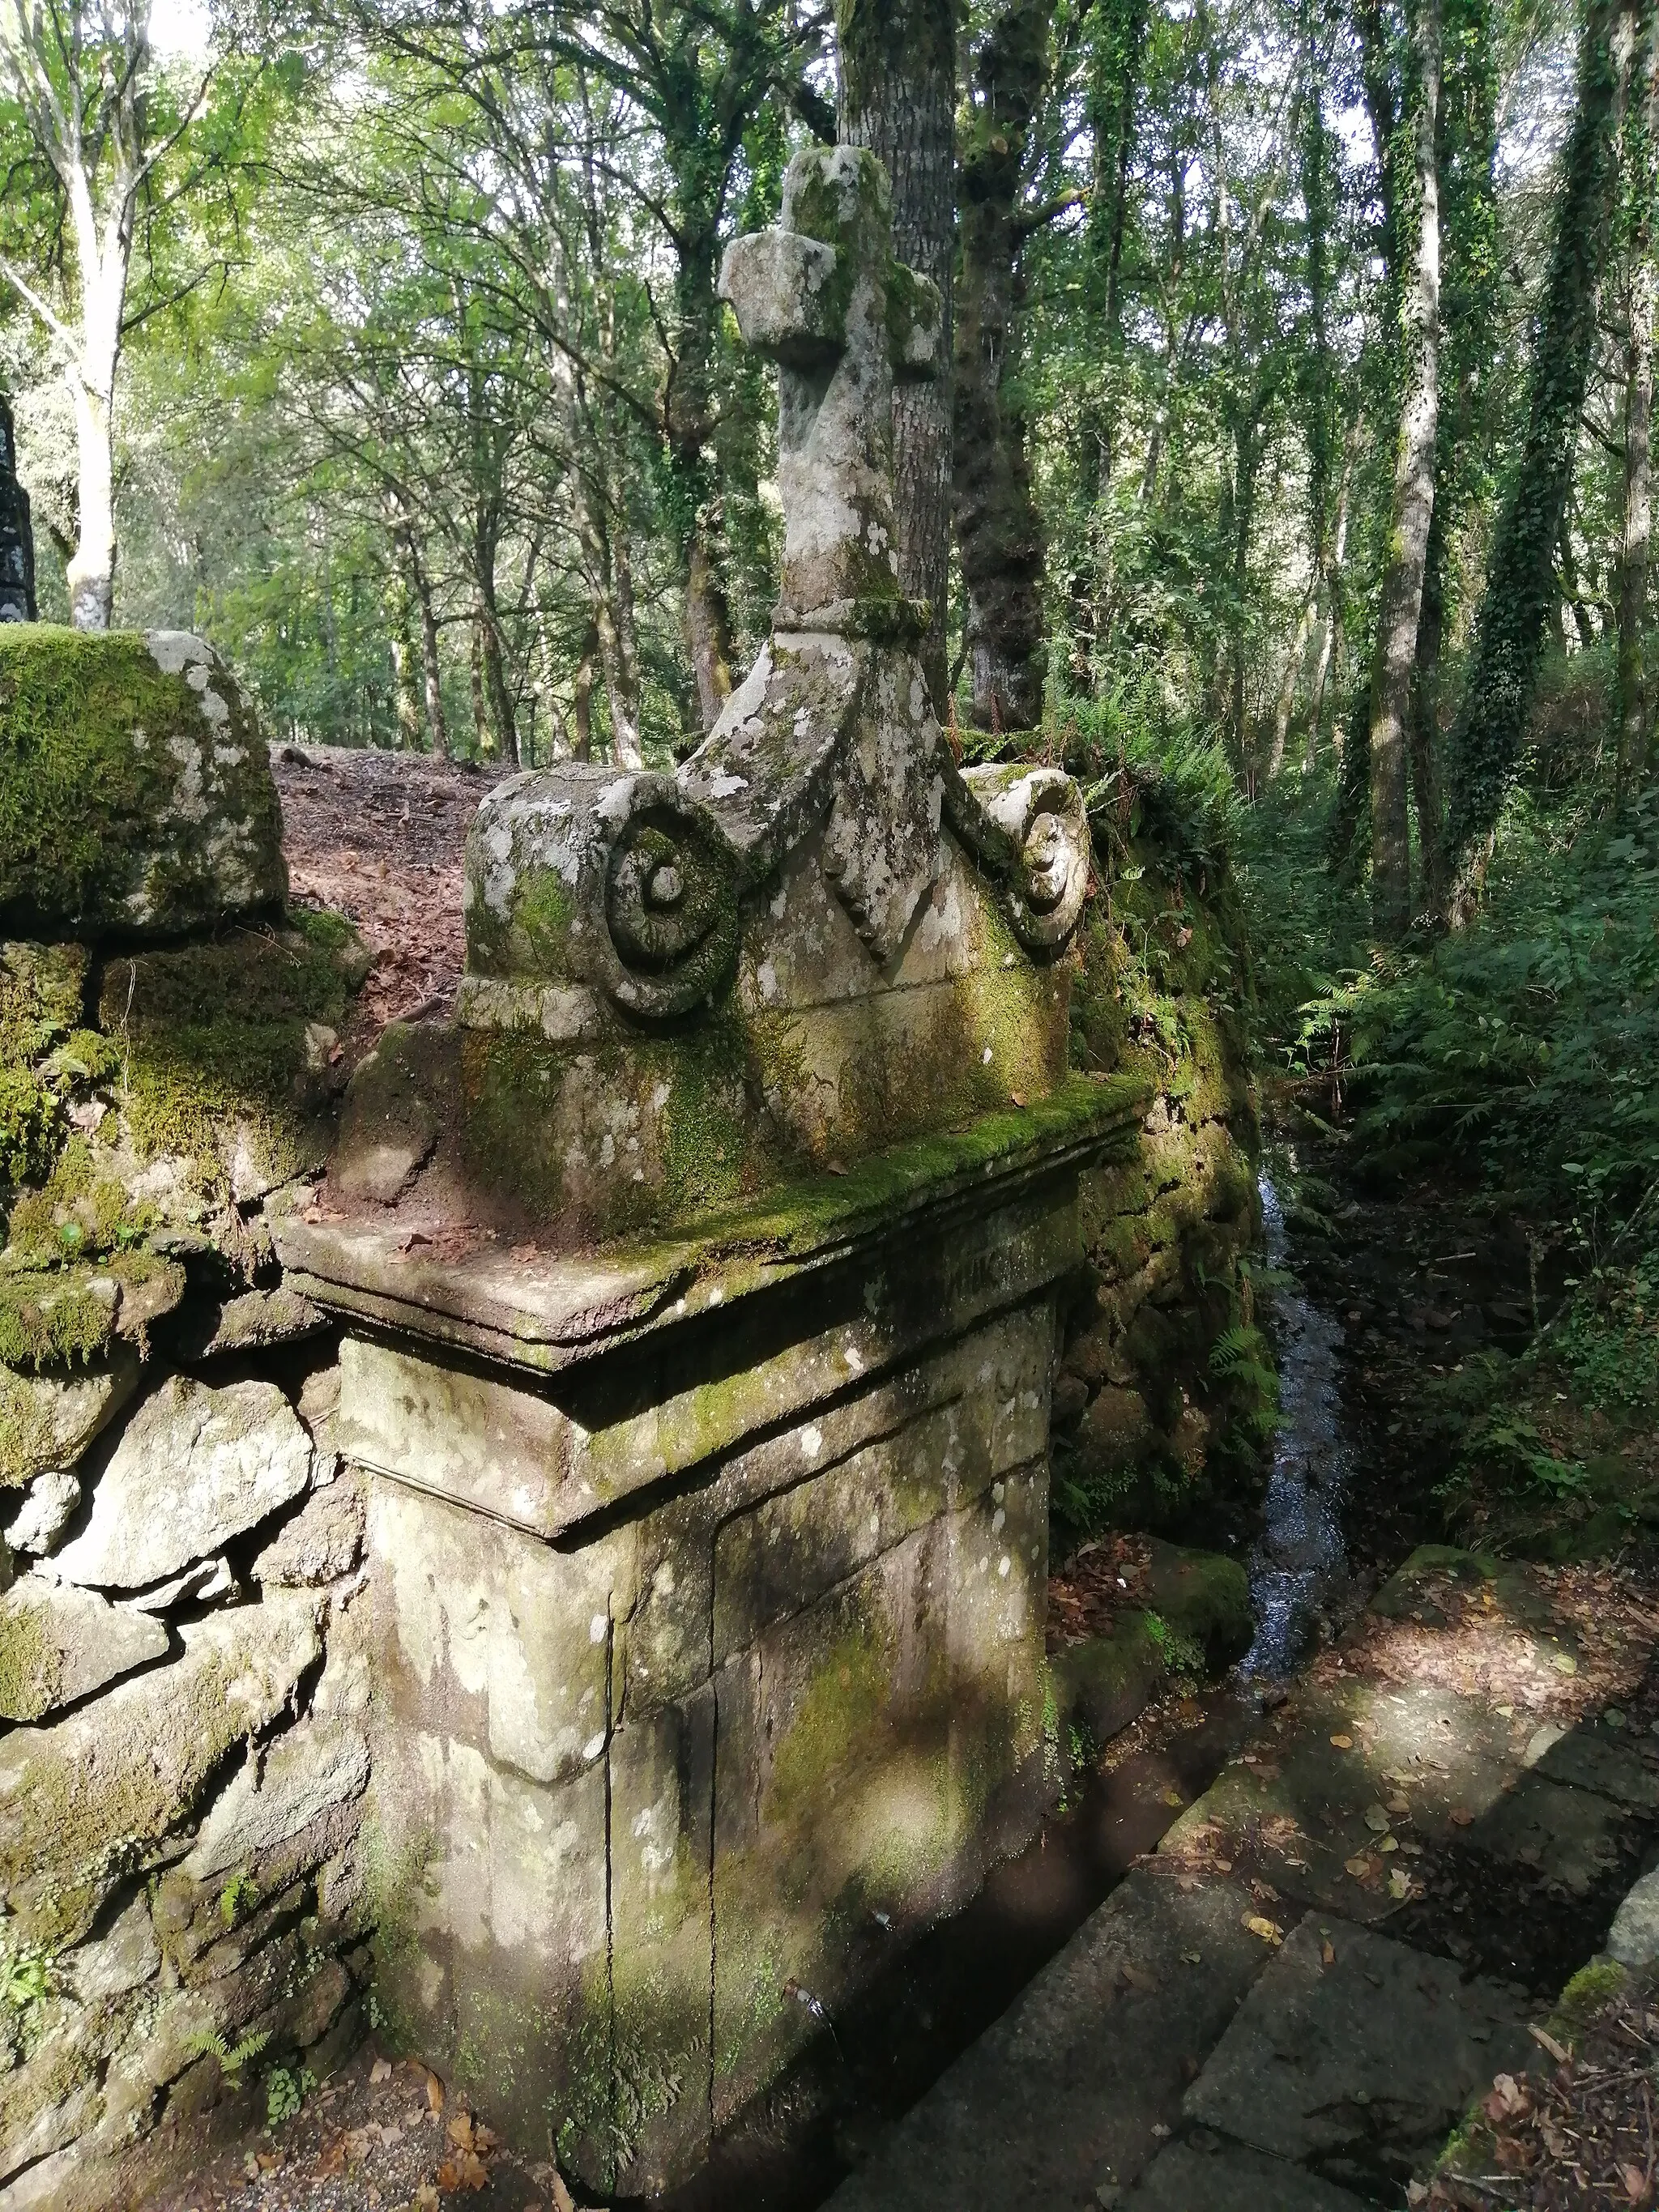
x=1104 y=1682
x=136 y=791
x=1206 y=1597
x=217 y=1044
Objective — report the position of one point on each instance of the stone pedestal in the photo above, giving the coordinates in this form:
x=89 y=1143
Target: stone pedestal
x=700 y=1282
x=709 y=1628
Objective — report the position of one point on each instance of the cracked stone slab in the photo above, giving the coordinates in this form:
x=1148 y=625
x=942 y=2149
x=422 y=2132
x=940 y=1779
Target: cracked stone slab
x=1572 y=1836
x=1360 y=2063
x=1220 y=2177
x=1063 y=2094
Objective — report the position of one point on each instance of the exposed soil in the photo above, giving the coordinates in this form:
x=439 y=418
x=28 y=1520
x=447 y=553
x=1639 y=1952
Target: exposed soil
x=380 y=838
x=377 y=2137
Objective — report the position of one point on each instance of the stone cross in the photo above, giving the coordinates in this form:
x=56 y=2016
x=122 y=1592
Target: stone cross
x=16 y=537
x=825 y=296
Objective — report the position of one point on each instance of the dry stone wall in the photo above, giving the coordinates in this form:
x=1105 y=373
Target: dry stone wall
x=183 y=1754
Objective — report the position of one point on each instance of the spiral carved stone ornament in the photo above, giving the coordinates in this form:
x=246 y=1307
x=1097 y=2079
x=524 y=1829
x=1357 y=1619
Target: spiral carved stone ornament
x=671 y=884
x=1028 y=829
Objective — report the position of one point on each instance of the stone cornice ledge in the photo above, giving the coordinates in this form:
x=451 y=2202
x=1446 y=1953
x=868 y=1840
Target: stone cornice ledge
x=547 y=1311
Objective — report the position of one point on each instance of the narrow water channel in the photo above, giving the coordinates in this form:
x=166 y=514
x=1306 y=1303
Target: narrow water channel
x=792 y=2148
x=1298 y=1563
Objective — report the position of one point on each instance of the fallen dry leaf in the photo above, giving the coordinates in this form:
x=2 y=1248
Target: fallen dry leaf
x=1557 y=2051
x=435 y=2092
x=1358 y=1867
x=1343 y=1742
x=1635 y=2181
x=1505 y=2100
x=465 y=2172
x=381 y=2070
x=1462 y=1817
x=1327 y=1953
x=1259 y=1924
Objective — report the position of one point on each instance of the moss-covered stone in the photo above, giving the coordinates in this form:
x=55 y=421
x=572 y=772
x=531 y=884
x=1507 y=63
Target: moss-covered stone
x=135 y=793
x=215 y=1063
x=1205 y=1596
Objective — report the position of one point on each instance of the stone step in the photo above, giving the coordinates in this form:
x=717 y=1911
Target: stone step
x=1230 y=2032
x=1066 y=2094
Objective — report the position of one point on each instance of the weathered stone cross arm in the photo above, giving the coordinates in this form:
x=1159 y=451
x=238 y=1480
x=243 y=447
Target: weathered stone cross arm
x=789 y=292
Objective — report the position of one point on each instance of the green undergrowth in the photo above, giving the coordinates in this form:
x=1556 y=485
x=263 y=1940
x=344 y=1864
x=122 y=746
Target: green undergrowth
x=1511 y=1062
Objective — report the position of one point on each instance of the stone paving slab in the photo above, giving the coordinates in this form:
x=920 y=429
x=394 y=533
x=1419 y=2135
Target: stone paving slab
x=1356 y=2055
x=1219 y=2177
x=1062 y=2096
x=1571 y=1835
x=1318 y=1795
x=1596 y=1758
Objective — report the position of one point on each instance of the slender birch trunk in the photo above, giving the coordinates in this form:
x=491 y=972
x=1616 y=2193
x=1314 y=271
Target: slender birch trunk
x=1413 y=510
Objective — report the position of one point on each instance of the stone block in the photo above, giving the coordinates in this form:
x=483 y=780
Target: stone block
x=194 y=1468
x=662 y=1961
x=143 y=801
x=59 y=1645
x=47 y=1421
x=83 y=1799
x=323 y=1541
x=497 y=1638
x=1358 y=2064
x=491 y=1943
x=52 y=1502
x=1076 y=2086
x=280 y=1789
x=1215 y=2177
x=840 y=1719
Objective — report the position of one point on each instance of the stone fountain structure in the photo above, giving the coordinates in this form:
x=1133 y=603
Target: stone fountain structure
x=699 y=1283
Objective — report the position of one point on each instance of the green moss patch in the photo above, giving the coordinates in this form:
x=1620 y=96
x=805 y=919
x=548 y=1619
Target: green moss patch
x=106 y=816
x=212 y=1039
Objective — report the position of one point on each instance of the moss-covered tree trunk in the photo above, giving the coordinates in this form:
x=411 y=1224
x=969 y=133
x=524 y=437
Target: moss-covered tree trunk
x=999 y=530
x=16 y=535
x=1641 y=303
x=1467 y=147
x=1520 y=574
x=1412 y=509
x=899 y=88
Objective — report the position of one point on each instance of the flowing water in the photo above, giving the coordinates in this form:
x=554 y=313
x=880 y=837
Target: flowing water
x=1299 y=1559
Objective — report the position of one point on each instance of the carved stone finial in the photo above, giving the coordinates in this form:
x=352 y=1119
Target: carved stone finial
x=630 y=885
x=823 y=295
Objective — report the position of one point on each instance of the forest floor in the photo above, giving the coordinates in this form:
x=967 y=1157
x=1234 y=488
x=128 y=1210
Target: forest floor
x=379 y=837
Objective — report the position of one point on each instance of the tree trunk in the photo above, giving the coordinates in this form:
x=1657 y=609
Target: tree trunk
x=1520 y=574
x=1331 y=624
x=897 y=64
x=1641 y=302
x=1287 y=701
x=497 y=697
x=1425 y=717
x=480 y=728
x=92 y=571
x=1412 y=509
x=999 y=530
x=583 y=710
x=431 y=667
